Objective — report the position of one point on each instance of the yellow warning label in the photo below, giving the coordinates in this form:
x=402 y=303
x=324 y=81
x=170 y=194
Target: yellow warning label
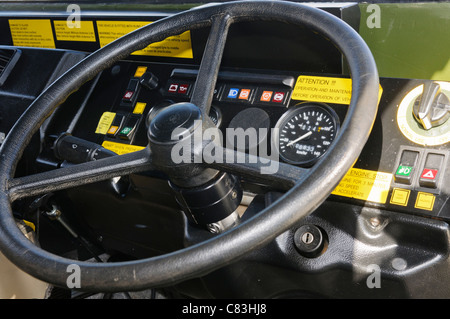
x=139 y=108
x=400 y=196
x=178 y=46
x=324 y=89
x=364 y=184
x=84 y=31
x=32 y=33
x=425 y=201
x=105 y=122
x=120 y=148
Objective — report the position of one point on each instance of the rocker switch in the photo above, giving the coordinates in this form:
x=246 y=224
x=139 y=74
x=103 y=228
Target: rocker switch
x=430 y=174
x=406 y=168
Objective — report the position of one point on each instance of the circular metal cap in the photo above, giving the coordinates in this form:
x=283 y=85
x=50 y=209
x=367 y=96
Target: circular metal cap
x=174 y=122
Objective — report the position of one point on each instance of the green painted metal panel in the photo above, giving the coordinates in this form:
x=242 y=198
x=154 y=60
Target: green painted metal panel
x=408 y=40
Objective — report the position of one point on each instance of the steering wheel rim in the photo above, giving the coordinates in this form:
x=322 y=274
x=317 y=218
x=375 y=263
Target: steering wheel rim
x=309 y=192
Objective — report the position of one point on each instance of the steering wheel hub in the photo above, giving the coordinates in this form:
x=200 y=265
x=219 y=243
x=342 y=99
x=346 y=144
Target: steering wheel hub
x=174 y=123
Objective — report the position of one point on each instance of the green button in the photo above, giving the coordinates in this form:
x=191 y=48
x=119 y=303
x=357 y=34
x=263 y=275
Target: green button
x=404 y=170
x=126 y=130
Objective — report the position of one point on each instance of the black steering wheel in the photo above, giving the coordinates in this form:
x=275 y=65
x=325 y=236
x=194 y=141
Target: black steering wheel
x=308 y=187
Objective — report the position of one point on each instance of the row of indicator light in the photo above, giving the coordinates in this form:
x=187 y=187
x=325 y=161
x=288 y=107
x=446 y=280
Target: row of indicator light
x=178 y=88
x=266 y=96
x=241 y=94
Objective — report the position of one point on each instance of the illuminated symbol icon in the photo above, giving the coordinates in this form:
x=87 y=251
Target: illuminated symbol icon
x=173 y=88
x=245 y=93
x=125 y=130
x=266 y=96
x=128 y=95
x=113 y=129
x=278 y=97
x=429 y=173
x=404 y=170
x=233 y=93
x=183 y=88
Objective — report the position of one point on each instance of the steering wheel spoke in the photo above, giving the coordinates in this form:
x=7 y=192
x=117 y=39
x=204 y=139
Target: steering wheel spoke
x=270 y=172
x=203 y=92
x=80 y=174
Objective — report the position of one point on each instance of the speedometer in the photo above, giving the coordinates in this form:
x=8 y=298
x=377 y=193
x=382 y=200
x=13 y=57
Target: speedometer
x=305 y=132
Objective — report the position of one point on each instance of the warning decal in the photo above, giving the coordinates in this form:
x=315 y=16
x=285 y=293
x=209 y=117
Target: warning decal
x=105 y=122
x=90 y=35
x=324 y=89
x=178 y=46
x=32 y=33
x=364 y=184
x=85 y=32
x=120 y=148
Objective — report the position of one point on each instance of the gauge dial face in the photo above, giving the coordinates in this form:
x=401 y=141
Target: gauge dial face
x=306 y=132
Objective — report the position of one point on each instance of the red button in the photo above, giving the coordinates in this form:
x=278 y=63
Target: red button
x=278 y=97
x=128 y=95
x=183 y=88
x=429 y=173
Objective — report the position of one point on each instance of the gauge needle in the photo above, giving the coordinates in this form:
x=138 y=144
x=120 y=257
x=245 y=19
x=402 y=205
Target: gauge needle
x=299 y=139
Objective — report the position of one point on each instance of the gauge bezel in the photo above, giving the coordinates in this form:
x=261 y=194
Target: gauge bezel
x=288 y=115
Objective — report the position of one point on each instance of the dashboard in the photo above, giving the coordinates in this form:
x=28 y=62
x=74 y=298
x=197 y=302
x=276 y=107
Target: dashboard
x=287 y=90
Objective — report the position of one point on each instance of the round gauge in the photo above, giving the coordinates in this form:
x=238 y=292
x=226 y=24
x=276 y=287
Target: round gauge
x=305 y=132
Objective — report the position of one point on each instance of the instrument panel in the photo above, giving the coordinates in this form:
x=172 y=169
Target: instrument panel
x=295 y=104
x=122 y=105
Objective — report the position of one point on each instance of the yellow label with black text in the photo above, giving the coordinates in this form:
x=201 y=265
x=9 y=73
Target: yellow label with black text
x=105 y=122
x=425 y=201
x=178 y=46
x=84 y=31
x=324 y=89
x=364 y=184
x=32 y=33
x=400 y=196
x=120 y=148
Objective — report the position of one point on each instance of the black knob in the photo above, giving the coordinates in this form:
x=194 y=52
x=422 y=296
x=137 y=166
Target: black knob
x=149 y=81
